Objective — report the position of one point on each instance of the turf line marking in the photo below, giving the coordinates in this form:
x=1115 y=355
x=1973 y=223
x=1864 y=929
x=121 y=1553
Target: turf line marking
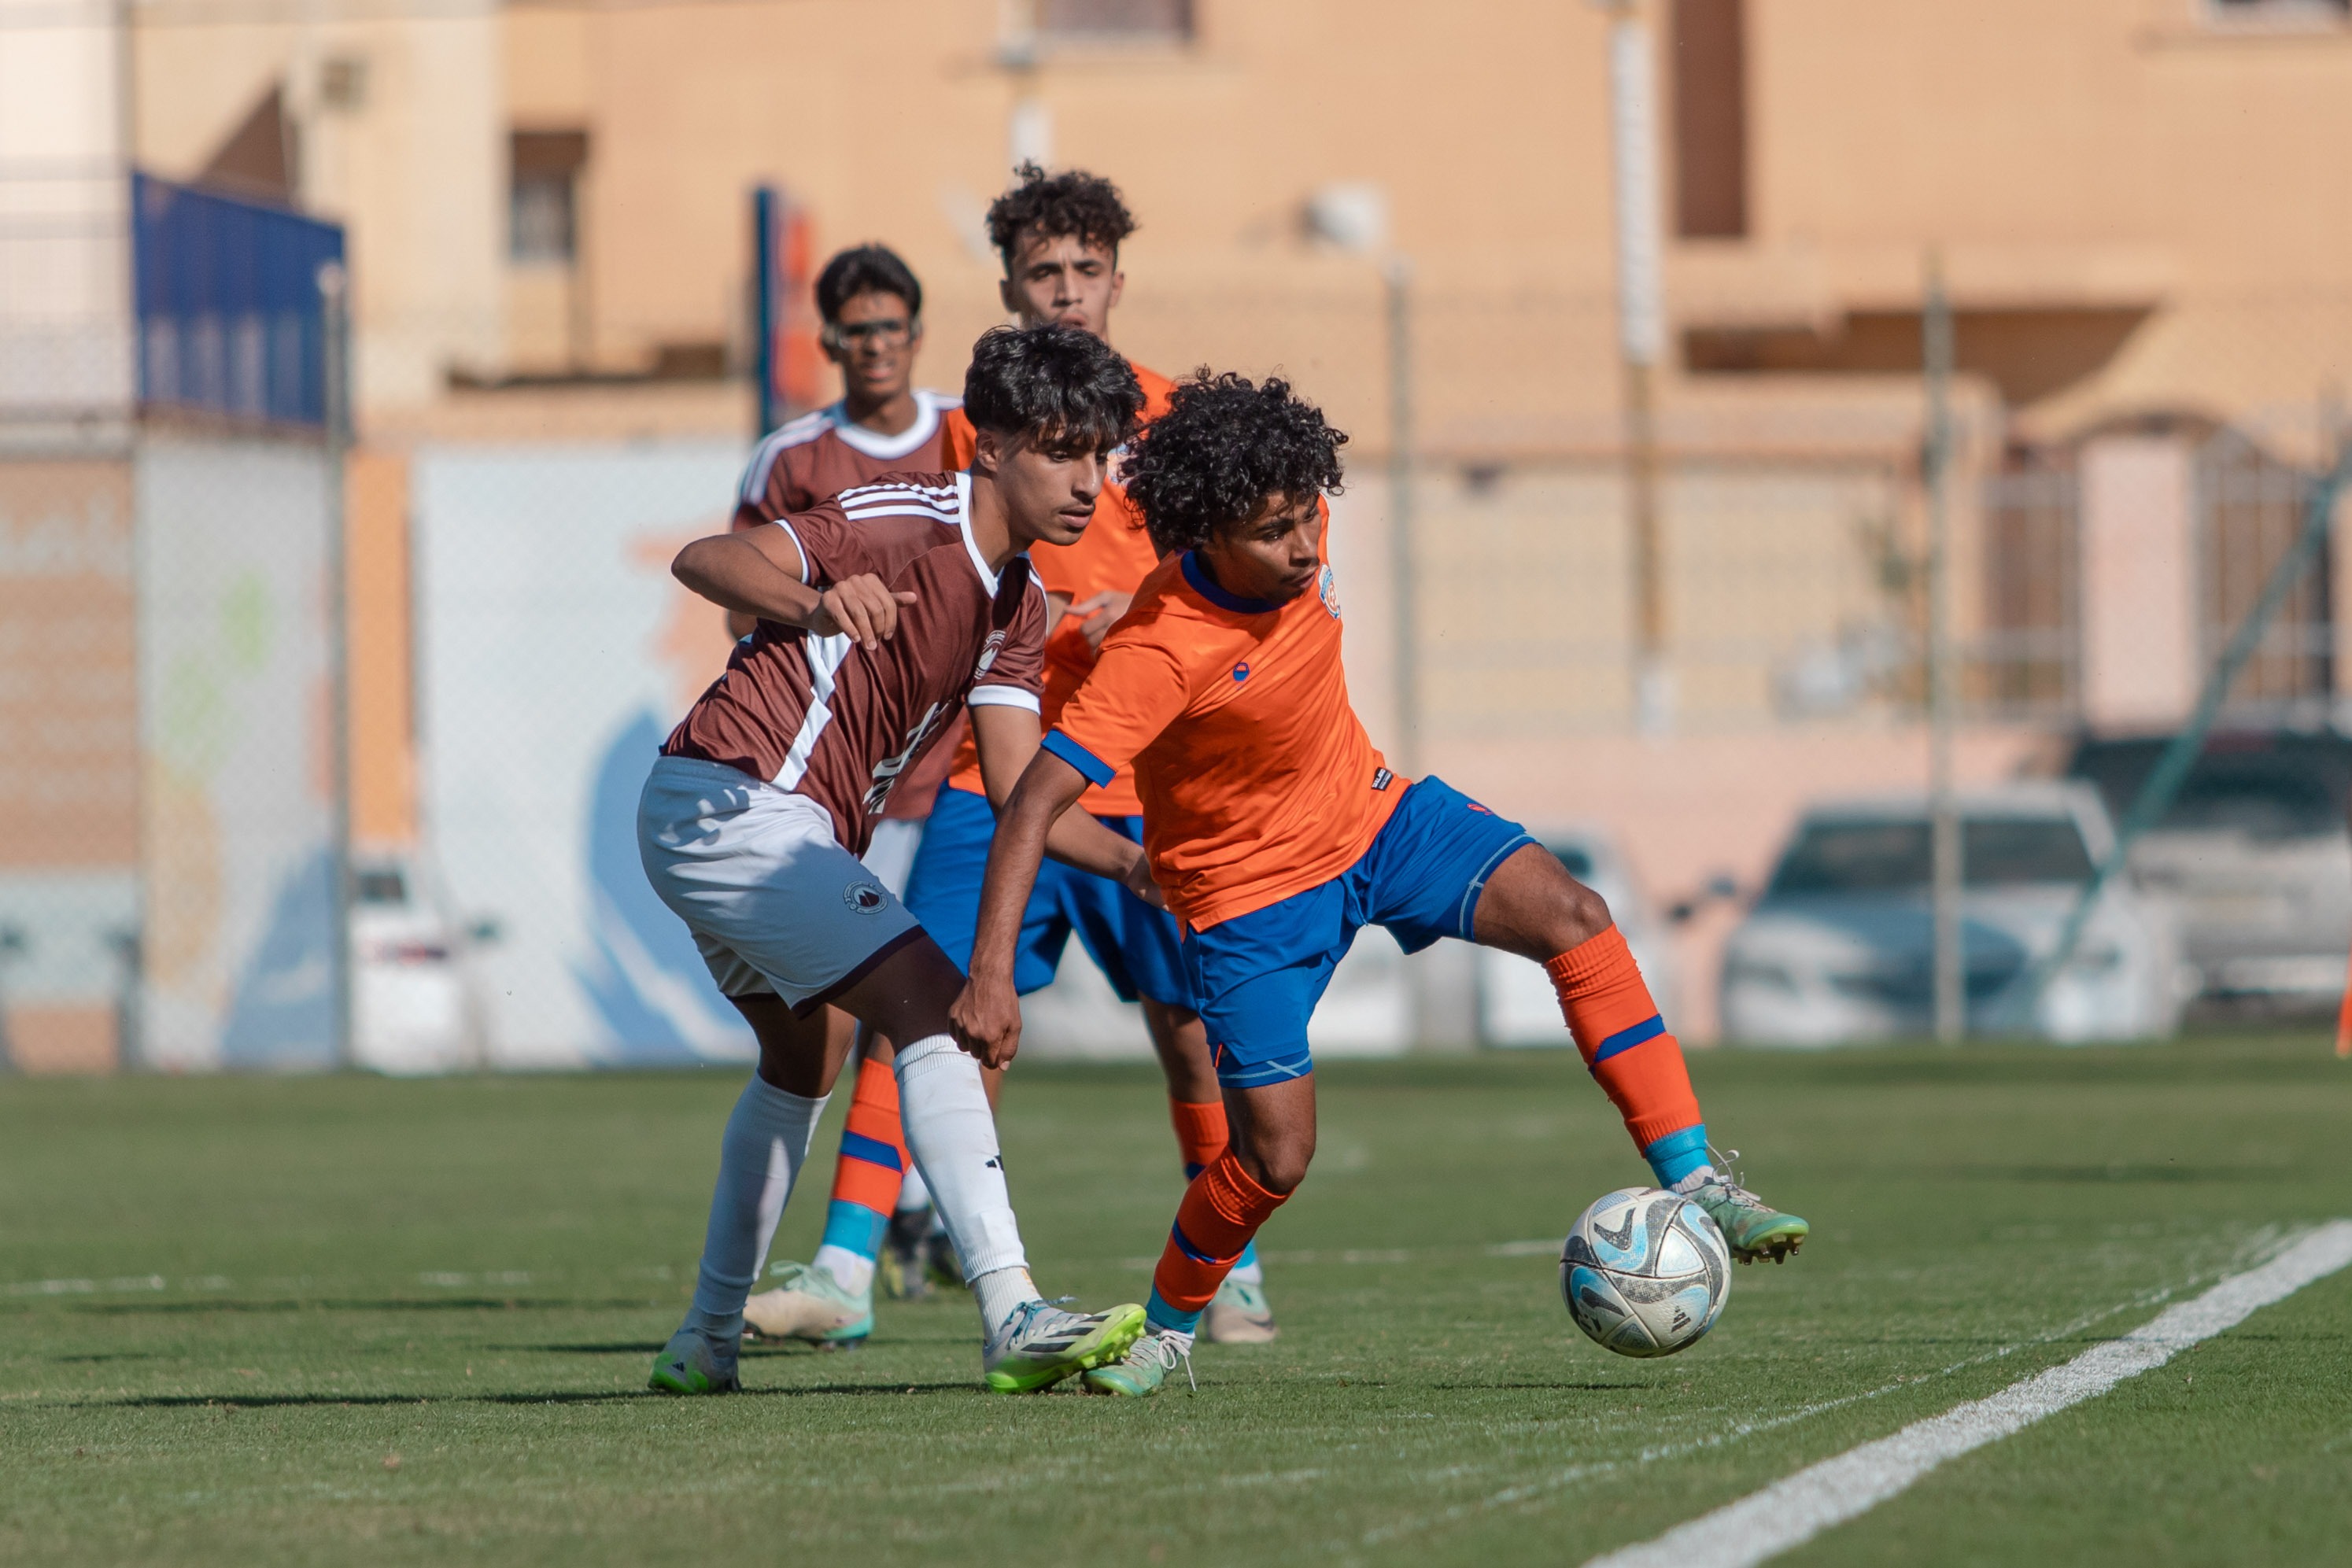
x=1792 y=1510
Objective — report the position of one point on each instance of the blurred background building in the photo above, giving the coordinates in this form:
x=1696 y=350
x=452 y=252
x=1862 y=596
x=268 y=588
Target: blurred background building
x=545 y=213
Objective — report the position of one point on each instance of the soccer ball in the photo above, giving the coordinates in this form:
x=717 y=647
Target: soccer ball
x=1645 y=1272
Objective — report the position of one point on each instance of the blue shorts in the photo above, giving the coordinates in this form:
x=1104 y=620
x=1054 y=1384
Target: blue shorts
x=1134 y=944
x=1260 y=975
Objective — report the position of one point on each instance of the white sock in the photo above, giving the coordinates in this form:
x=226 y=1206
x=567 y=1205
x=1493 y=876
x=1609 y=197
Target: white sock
x=854 y=1270
x=1250 y=1273
x=944 y=1109
x=912 y=1194
x=766 y=1141
x=1695 y=1180
x=1003 y=1292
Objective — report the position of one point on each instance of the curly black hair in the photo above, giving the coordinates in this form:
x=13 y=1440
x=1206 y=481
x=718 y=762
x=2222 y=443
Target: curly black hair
x=1224 y=446
x=1061 y=387
x=1073 y=203
x=865 y=269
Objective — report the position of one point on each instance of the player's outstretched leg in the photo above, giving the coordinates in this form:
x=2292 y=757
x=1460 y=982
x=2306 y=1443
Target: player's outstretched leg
x=829 y=1300
x=1240 y=1312
x=1532 y=906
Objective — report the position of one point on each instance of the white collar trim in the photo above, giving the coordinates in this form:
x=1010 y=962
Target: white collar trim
x=873 y=443
x=963 y=522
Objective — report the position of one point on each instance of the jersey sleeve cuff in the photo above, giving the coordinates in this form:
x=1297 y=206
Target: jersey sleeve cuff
x=1097 y=770
x=1004 y=697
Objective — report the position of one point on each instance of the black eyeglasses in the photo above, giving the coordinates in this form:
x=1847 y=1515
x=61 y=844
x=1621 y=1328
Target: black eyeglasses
x=881 y=334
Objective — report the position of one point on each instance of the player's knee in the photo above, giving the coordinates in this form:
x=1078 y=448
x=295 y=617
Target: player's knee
x=1578 y=914
x=1278 y=1162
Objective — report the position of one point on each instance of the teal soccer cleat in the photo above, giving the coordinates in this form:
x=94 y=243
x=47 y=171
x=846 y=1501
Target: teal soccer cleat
x=1145 y=1367
x=1239 y=1314
x=1040 y=1345
x=808 y=1304
x=1751 y=1227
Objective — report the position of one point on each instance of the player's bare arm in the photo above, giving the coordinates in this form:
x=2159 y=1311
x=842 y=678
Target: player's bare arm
x=758 y=574
x=1007 y=740
x=986 y=1018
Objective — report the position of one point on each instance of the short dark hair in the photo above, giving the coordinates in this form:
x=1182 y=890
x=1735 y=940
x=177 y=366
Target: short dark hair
x=1072 y=203
x=1224 y=446
x=1059 y=386
x=865 y=269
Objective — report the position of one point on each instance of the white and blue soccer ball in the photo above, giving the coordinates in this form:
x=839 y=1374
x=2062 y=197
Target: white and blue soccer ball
x=1645 y=1271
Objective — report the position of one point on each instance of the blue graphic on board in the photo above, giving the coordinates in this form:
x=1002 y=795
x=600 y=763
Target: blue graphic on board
x=646 y=980
x=282 y=1014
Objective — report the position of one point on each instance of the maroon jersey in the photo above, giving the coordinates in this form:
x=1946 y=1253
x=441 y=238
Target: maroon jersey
x=818 y=455
x=821 y=715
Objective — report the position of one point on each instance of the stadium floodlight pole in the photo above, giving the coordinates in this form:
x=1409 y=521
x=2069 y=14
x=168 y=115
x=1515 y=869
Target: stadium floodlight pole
x=767 y=306
x=1640 y=342
x=1950 y=959
x=335 y=301
x=1396 y=275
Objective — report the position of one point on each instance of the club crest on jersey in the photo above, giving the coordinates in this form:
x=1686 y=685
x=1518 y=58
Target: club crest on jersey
x=865 y=898
x=1328 y=586
x=988 y=651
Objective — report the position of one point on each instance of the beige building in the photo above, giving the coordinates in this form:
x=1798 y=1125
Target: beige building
x=2135 y=202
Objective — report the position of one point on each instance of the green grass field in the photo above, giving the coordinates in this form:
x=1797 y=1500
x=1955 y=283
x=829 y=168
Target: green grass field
x=344 y=1320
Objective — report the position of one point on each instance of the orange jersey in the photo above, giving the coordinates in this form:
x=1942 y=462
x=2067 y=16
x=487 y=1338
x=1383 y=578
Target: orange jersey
x=1257 y=779
x=1113 y=556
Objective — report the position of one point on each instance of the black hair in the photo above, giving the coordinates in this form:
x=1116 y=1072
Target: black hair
x=865 y=269
x=1061 y=387
x=1071 y=205
x=1224 y=446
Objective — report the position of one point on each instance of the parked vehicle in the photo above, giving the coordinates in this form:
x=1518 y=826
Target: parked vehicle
x=2254 y=855
x=1517 y=1003
x=409 y=1006
x=1841 y=945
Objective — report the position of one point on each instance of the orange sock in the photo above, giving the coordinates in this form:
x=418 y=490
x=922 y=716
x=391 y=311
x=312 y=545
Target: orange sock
x=874 y=1158
x=1200 y=1133
x=1222 y=1210
x=1623 y=1039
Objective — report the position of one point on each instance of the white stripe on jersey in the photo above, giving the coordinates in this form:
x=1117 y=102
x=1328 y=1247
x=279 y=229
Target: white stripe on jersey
x=826 y=656
x=784 y=438
x=1004 y=697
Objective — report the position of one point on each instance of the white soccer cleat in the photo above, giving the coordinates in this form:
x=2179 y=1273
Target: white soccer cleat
x=1040 y=1344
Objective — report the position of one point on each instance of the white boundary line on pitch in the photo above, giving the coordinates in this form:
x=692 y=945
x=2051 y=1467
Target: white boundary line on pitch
x=1791 y=1511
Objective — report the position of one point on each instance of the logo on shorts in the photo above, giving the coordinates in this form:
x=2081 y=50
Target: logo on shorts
x=1328 y=585
x=988 y=651
x=1382 y=777
x=865 y=898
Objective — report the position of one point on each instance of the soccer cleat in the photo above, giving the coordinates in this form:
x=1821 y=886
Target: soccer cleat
x=1239 y=1314
x=941 y=1264
x=899 y=1271
x=1145 y=1367
x=691 y=1364
x=1751 y=1227
x=1040 y=1345
x=811 y=1304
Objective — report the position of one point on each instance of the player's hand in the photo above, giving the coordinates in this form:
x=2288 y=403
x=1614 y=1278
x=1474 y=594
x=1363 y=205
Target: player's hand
x=1098 y=613
x=986 y=1019
x=1138 y=881
x=862 y=607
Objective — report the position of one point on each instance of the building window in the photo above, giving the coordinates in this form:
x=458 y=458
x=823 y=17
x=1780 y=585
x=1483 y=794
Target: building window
x=1710 y=109
x=1115 y=18
x=543 y=196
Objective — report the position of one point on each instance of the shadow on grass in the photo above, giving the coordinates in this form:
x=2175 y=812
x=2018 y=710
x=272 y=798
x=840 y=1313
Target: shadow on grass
x=336 y=1304
x=233 y=1402
x=2127 y=1171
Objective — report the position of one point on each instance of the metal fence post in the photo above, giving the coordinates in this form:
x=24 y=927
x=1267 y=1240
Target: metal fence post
x=335 y=311
x=1397 y=274
x=1950 y=976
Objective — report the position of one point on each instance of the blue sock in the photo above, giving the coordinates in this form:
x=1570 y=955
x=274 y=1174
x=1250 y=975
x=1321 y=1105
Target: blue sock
x=1678 y=1154
x=1159 y=1314
x=854 y=1227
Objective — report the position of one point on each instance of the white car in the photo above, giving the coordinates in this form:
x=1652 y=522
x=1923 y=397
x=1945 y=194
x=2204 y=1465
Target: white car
x=1516 y=1003
x=1840 y=946
x=410 y=1013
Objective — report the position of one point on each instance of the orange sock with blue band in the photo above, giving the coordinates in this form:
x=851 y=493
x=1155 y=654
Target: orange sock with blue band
x=1221 y=1212
x=865 y=1179
x=1626 y=1043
